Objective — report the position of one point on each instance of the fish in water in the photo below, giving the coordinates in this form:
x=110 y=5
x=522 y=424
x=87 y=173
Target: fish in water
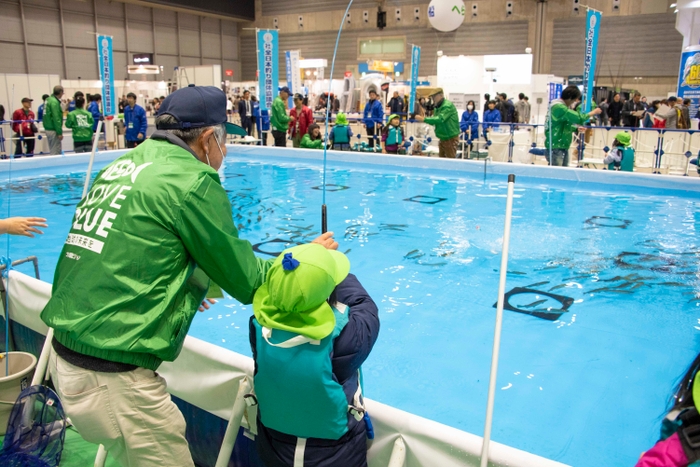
x=538 y=302
x=609 y=290
x=672 y=284
x=537 y=284
x=560 y=286
x=518 y=273
x=549 y=310
x=347 y=251
x=446 y=254
x=259 y=218
x=414 y=254
x=432 y=264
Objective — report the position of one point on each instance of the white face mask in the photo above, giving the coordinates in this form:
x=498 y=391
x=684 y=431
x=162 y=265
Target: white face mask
x=470 y=107
x=206 y=154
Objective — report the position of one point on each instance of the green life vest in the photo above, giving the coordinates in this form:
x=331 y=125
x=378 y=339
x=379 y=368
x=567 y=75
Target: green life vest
x=394 y=137
x=340 y=134
x=627 y=162
x=294 y=383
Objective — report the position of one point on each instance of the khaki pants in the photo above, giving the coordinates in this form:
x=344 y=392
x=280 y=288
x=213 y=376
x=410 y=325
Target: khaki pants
x=448 y=147
x=130 y=413
x=55 y=146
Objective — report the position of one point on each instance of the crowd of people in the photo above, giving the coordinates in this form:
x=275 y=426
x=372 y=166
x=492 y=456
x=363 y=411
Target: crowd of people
x=670 y=113
x=81 y=114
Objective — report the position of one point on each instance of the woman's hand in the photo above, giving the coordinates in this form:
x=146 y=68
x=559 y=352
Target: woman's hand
x=22 y=226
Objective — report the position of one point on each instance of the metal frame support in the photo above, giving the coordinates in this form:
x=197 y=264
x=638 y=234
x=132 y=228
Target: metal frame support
x=201 y=48
x=398 y=453
x=234 y=423
x=221 y=38
x=24 y=37
x=179 y=48
x=126 y=34
x=94 y=15
x=63 y=39
x=153 y=27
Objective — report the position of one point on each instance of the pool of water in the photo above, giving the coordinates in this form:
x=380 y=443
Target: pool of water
x=604 y=316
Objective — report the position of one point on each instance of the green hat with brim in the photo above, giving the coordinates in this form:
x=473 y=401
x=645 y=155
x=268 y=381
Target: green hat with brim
x=233 y=129
x=391 y=117
x=623 y=138
x=341 y=119
x=299 y=282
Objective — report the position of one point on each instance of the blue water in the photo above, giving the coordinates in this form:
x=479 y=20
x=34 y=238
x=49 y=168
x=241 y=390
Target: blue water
x=587 y=388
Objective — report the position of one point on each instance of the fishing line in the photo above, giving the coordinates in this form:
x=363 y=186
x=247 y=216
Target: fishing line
x=324 y=217
x=8 y=261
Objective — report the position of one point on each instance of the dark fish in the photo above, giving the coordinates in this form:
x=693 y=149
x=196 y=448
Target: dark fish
x=585 y=276
x=347 y=251
x=602 y=289
x=547 y=310
x=672 y=284
x=519 y=273
x=538 y=302
x=432 y=264
x=241 y=226
x=560 y=286
x=259 y=218
x=369 y=192
x=537 y=284
x=623 y=285
x=446 y=254
x=351 y=226
x=308 y=227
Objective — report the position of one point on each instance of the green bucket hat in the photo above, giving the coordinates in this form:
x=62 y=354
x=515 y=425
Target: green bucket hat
x=623 y=138
x=341 y=119
x=293 y=298
x=391 y=117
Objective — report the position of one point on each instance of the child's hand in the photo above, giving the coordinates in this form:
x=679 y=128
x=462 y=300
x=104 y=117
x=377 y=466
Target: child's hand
x=327 y=241
x=205 y=305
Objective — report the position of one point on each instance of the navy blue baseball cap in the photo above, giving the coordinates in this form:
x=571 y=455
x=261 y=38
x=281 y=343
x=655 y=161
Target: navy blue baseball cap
x=197 y=107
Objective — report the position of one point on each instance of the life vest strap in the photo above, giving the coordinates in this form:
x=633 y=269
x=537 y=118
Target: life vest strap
x=289 y=343
x=690 y=433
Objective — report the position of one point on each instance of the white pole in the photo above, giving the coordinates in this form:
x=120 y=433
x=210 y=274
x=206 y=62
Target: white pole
x=101 y=457
x=499 y=322
x=92 y=158
x=398 y=453
x=234 y=424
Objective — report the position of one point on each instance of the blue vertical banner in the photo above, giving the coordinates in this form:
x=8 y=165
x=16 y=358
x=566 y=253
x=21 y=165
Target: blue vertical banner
x=104 y=58
x=689 y=79
x=293 y=73
x=592 y=33
x=555 y=90
x=268 y=66
x=415 y=65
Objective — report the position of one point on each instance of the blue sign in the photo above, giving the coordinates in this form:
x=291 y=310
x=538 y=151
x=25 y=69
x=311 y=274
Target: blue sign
x=689 y=79
x=415 y=65
x=104 y=58
x=555 y=90
x=592 y=33
x=268 y=66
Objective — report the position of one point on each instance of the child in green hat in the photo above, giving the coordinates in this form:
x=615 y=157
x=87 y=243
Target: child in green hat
x=313 y=327
x=393 y=136
x=616 y=154
x=340 y=134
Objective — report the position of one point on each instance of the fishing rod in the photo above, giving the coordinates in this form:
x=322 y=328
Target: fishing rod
x=324 y=216
x=6 y=272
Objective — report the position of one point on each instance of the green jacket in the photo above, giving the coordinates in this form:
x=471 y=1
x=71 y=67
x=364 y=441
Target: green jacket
x=124 y=288
x=564 y=122
x=81 y=122
x=53 y=116
x=306 y=142
x=278 y=117
x=445 y=120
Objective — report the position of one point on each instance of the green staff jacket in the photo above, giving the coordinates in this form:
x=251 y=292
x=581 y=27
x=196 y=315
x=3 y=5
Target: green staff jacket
x=564 y=122
x=445 y=120
x=124 y=288
x=81 y=122
x=53 y=116
x=279 y=118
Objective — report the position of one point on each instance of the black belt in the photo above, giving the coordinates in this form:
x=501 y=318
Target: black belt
x=87 y=362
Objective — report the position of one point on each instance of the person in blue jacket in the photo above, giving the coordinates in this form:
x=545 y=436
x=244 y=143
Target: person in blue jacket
x=373 y=118
x=263 y=126
x=491 y=116
x=313 y=327
x=94 y=109
x=470 y=124
x=135 y=122
x=40 y=112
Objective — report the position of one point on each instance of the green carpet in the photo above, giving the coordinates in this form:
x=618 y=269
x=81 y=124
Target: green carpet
x=79 y=453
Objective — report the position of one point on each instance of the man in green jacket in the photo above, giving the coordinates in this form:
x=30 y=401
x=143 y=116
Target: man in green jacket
x=279 y=118
x=53 y=120
x=80 y=121
x=446 y=123
x=155 y=226
x=561 y=123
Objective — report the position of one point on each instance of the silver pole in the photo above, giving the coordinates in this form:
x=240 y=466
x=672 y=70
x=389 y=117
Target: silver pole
x=499 y=322
x=92 y=158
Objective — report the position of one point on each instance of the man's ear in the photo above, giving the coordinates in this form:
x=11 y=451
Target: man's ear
x=204 y=140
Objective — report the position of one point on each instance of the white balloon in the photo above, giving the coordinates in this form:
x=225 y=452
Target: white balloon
x=446 y=15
